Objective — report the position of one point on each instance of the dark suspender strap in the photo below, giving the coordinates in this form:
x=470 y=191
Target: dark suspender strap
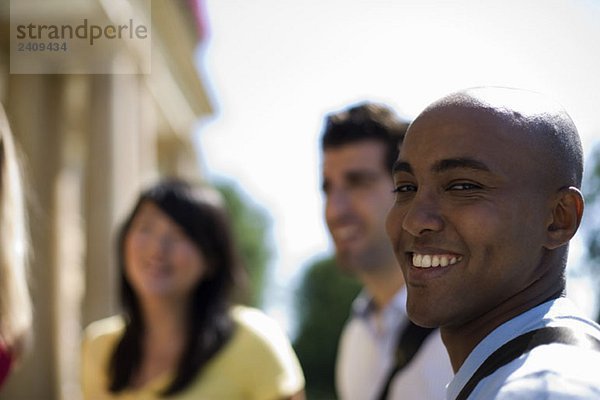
x=523 y=344
x=409 y=342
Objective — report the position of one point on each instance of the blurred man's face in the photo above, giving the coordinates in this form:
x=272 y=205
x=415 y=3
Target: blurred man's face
x=358 y=193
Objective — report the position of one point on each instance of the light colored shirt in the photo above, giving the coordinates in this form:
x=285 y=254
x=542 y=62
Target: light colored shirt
x=366 y=355
x=548 y=372
x=257 y=363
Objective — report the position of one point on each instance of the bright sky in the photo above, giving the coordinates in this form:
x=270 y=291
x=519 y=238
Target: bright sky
x=275 y=67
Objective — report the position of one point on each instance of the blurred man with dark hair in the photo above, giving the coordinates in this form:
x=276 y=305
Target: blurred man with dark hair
x=381 y=354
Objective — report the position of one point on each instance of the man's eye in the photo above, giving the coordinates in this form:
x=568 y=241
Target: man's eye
x=464 y=186
x=404 y=189
x=361 y=182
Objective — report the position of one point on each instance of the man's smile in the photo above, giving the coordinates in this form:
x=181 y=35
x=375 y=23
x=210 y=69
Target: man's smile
x=434 y=260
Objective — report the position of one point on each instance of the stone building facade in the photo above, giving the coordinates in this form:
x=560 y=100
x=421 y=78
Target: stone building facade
x=89 y=142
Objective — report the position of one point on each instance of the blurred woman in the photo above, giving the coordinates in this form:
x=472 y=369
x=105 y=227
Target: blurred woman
x=179 y=336
x=15 y=303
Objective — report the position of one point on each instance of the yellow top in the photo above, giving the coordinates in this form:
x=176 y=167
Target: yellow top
x=257 y=363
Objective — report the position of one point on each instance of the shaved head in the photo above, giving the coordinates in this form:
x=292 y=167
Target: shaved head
x=542 y=124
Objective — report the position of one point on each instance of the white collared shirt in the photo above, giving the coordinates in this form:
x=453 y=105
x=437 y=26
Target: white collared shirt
x=550 y=372
x=366 y=354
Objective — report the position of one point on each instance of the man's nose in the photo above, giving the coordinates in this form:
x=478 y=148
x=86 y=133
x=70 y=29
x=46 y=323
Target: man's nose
x=423 y=215
x=337 y=203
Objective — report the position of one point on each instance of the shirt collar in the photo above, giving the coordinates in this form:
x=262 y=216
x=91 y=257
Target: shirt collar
x=548 y=313
x=363 y=306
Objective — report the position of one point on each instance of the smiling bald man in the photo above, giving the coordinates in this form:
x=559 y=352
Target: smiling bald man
x=488 y=197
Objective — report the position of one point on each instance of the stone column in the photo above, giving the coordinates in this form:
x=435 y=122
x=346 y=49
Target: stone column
x=35 y=111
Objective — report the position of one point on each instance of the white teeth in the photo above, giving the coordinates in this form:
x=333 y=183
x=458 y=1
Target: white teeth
x=417 y=260
x=438 y=260
x=426 y=263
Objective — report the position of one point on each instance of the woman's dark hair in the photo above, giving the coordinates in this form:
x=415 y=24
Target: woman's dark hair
x=209 y=327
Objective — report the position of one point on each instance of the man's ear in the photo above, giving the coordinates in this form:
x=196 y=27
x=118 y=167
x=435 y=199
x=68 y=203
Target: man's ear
x=567 y=210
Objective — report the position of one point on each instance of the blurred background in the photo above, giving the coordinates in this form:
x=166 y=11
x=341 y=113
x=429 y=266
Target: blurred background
x=235 y=98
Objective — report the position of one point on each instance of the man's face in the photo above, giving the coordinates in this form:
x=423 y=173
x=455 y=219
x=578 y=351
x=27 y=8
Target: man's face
x=470 y=215
x=358 y=193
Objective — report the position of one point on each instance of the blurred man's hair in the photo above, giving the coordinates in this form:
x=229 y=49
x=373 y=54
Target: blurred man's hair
x=365 y=121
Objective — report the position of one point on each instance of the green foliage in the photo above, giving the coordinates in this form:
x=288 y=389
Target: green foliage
x=591 y=222
x=250 y=225
x=592 y=182
x=323 y=304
